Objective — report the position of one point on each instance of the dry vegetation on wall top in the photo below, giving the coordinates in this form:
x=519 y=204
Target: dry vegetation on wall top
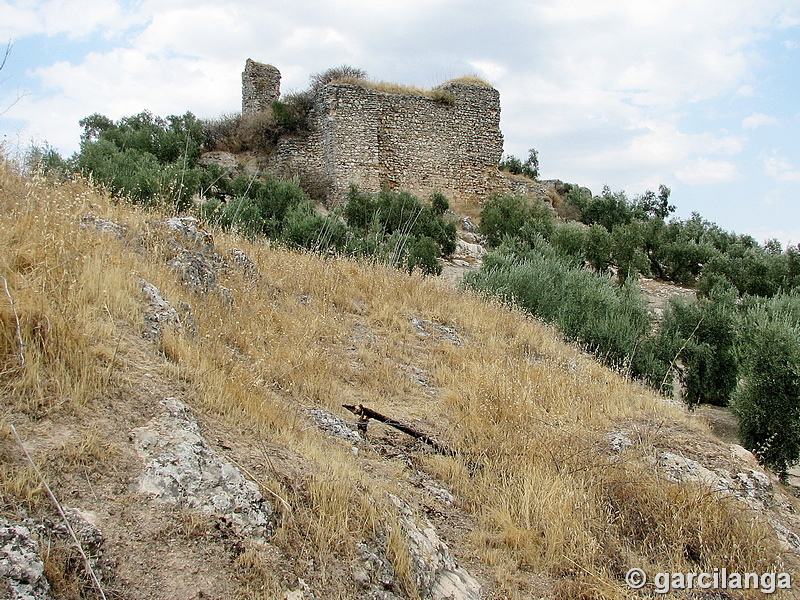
x=539 y=503
x=437 y=93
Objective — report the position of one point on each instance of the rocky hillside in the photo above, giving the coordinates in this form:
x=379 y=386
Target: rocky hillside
x=173 y=427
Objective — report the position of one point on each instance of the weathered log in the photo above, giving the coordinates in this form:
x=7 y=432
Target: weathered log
x=365 y=414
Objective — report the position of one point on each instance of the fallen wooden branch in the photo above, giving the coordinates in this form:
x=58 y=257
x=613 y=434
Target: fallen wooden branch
x=365 y=414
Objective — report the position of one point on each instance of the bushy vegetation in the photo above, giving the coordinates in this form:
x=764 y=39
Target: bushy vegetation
x=145 y=158
x=737 y=340
x=393 y=227
x=768 y=401
x=698 y=340
x=400 y=228
x=517 y=217
x=587 y=307
x=529 y=168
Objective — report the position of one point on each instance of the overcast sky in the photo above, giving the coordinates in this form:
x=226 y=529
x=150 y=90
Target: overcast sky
x=700 y=95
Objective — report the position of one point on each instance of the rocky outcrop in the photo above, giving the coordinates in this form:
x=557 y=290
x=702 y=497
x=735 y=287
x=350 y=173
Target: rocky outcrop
x=160 y=313
x=104 y=225
x=21 y=567
x=435 y=571
x=181 y=468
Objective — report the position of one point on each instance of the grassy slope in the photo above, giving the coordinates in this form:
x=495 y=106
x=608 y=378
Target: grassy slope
x=548 y=511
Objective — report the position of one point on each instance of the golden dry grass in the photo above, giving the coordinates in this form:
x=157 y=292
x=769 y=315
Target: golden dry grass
x=526 y=412
x=471 y=79
x=438 y=93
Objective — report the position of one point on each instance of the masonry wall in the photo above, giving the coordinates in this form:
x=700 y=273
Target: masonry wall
x=376 y=139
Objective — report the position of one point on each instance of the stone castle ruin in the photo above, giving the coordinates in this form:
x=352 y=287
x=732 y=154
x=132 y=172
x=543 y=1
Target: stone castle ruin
x=361 y=135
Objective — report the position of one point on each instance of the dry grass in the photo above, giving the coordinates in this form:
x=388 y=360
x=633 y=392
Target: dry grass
x=526 y=412
x=471 y=79
x=438 y=93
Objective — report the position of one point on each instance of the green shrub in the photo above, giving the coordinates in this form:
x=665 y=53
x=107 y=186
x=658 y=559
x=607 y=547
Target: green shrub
x=569 y=239
x=608 y=209
x=627 y=250
x=702 y=336
x=439 y=203
x=305 y=228
x=515 y=166
x=515 y=216
x=260 y=206
x=45 y=160
x=598 y=248
x=423 y=255
x=388 y=212
x=768 y=401
x=585 y=306
x=147 y=159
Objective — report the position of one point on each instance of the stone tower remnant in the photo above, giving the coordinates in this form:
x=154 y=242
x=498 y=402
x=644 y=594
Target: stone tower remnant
x=261 y=85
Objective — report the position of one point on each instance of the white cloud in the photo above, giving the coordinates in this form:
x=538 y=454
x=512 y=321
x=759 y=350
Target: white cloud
x=489 y=69
x=75 y=18
x=780 y=169
x=705 y=171
x=786 y=237
x=757 y=120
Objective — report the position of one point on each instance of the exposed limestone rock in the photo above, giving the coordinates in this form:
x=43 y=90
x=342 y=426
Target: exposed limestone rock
x=159 y=313
x=181 y=468
x=225 y=160
x=302 y=593
x=336 y=426
x=423 y=327
x=435 y=571
x=680 y=468
x=467 y=254
x=754 y=485
x=740 y=454
x=192 y=231
x=378 y=572
x=238 y=257
x=196 y=270
x=21 y=568
x=104 y=225
x=619 y=440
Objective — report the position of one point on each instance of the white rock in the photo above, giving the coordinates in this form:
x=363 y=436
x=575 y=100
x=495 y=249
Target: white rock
x=181 y=468
x=21 y=567
x=435 y=571
x=681 y=468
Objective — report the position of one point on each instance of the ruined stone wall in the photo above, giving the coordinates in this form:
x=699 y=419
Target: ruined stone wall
x=261 y=84
x=402 y=141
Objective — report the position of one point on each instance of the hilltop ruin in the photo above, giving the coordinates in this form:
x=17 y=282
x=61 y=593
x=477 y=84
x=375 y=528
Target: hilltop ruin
x=401 y=140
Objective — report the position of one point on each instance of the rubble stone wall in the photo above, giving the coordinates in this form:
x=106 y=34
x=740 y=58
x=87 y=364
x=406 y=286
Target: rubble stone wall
x=261 y=84
x=402 y=141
